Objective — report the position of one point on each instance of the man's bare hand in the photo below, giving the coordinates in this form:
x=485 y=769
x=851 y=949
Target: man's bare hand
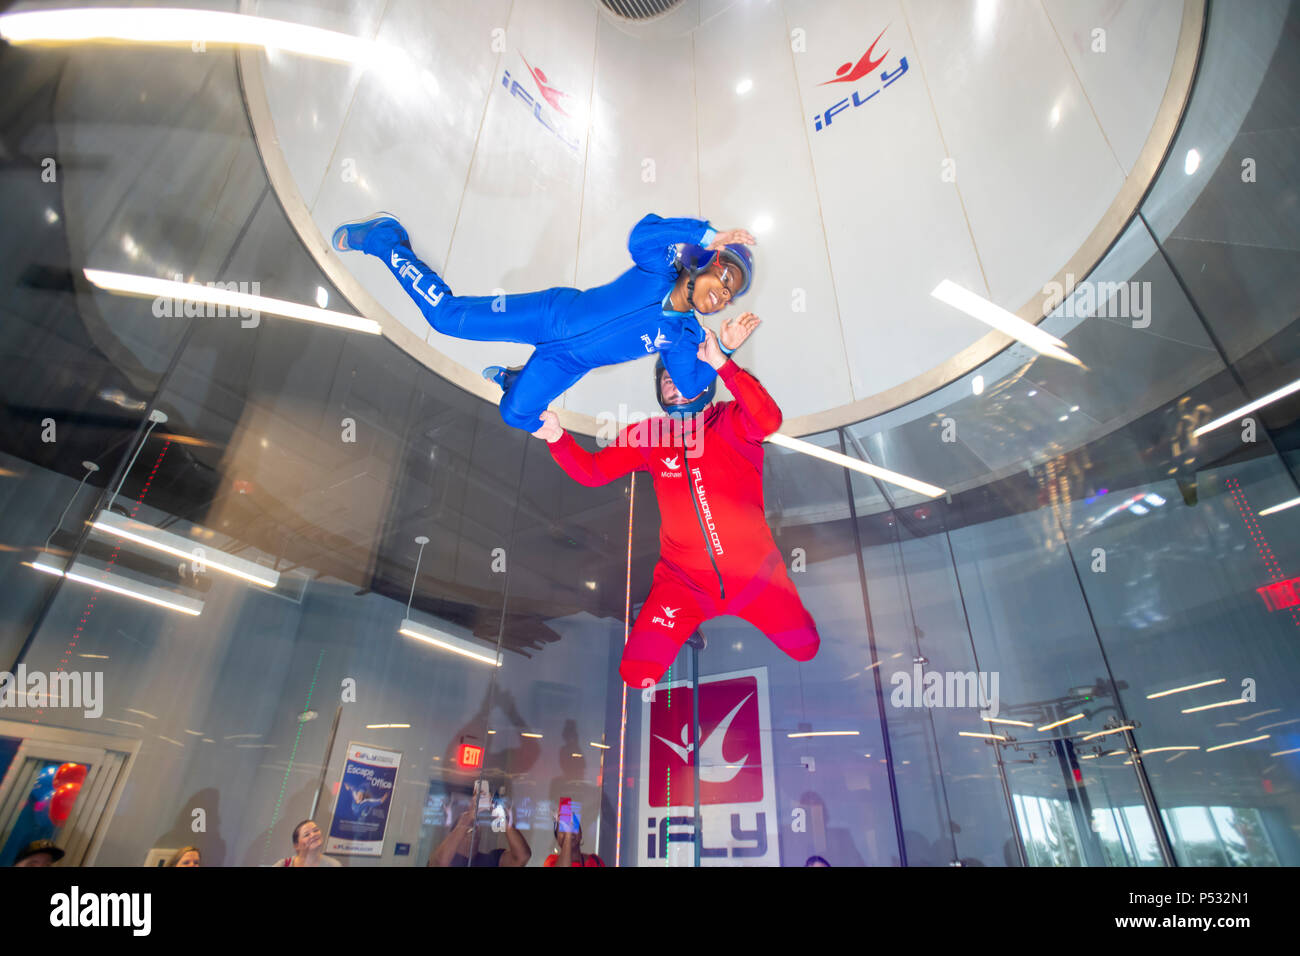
x=709 y=351
x=550 y=429
x=735 y=331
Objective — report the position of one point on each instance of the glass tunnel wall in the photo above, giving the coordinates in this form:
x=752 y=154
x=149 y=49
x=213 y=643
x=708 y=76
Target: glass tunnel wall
x=1093 y=551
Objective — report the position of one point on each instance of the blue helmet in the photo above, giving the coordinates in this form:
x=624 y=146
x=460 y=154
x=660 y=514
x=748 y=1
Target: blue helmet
x=697 y=404
x=695 y=259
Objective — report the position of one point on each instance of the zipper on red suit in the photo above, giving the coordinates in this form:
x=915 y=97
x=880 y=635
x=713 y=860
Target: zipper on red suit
x=708 y=544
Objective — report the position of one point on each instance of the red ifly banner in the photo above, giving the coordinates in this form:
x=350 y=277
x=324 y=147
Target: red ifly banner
x=1281 y=594
x=737 y=790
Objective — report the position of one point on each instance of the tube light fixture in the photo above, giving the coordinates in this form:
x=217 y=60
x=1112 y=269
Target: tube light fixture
x=163 y=26
x=457 y=645
x=1223 y=703
x=86 y=574
x=1005 y=322
x=1060 y=722
x=1238 y=743
x=110 y=522
x=128 y=284
x=1249 y=407
x=1103 y=733
x=1179 y=690
x=835 y=458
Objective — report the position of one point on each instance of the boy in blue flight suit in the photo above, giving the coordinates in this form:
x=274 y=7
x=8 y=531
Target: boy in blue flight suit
x=682 y=266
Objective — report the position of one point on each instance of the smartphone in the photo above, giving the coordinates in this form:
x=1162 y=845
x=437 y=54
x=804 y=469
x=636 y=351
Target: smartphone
x=570 y=816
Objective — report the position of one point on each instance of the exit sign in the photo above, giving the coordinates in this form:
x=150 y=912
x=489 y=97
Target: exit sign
x=469 y=757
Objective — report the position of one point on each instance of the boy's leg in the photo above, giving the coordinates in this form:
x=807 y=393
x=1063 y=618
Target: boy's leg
x=526 y=319
x=544 y=378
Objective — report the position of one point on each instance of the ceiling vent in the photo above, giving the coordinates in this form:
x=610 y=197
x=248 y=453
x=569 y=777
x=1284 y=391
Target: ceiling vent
x=640 y=11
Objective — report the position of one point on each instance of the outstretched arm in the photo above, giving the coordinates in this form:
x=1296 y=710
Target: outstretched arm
x=654 y=240
x=756 y=415
x=587 y=468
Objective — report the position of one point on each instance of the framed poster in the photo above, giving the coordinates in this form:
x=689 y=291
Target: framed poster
x=364 y=798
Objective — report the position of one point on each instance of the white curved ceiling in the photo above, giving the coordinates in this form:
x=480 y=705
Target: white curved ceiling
x=990 y=160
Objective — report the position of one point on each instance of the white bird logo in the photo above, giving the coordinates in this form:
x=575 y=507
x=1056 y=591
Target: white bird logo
x=670 y=611
x=660 y=339
x=672 y=463
x=713 y=766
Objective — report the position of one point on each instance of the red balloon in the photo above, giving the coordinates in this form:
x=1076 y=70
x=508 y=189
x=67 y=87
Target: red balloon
x=62 y=801
x=70 y=773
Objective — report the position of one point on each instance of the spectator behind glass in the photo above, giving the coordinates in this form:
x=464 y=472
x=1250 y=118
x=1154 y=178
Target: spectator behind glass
x=461 y=840
x=816 y=861
x=185 y=856
x=39 y=853
x=569 y=852
x=307 y=843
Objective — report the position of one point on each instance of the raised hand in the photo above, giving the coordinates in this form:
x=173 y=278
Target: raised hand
x=732 y=235
x=550 y=430
x=709 y=351
x=735 y=331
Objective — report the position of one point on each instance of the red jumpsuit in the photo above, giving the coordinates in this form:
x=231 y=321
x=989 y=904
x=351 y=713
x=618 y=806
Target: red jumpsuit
x=716 y=553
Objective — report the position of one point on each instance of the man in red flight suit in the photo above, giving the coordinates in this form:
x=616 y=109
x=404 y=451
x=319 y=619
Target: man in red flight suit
x=716 y=552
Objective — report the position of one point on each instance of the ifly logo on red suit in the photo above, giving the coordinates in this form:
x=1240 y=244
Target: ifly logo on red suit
x=667 y=618
x=737 y=794
x=861 y=70
x=553 y=97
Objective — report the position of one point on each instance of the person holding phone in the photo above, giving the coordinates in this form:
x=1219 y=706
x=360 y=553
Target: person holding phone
x=568 y=838
x=469 y=832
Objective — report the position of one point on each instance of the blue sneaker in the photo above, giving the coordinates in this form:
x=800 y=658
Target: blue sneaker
x=504 y=377
x=353 y=235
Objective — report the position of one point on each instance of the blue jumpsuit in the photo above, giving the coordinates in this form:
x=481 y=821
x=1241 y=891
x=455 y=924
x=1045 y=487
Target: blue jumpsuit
x=575 y=331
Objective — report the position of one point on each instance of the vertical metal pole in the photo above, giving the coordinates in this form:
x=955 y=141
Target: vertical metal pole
x=1011 y=806
x=695 y=750
x=325 y=762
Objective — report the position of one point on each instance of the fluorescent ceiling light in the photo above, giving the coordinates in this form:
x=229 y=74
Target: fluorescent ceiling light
x=1282 y=507
x=95 y=577
x=824 y=733
x=1179 y=690
x=1103 y=733
x=967 y=733
x=1002 y=320
x=447 y=642
x=1238 y=743
x=1223 y=703
x=1004 y=720
x=1157 y=750
x=1249 y=407
x=187 y=27
x=128 y=284
x=534 y=736
x=145 y=534
x=835 y=458
x=1060 y=722
x=600 y=746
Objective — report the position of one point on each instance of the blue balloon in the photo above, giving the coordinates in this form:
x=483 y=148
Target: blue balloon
x=43 y=787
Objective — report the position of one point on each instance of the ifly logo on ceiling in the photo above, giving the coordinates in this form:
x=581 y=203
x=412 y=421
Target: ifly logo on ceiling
x=545 y=105
x=862 y=70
